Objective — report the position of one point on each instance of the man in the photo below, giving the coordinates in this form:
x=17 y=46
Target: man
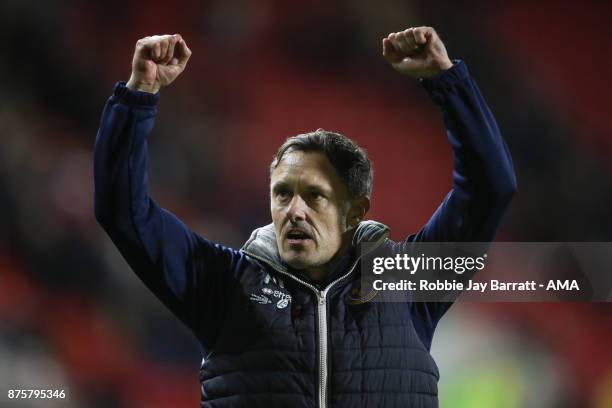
x=278 y=321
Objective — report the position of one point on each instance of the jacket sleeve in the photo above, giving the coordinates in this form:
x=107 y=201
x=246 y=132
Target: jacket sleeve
x=185 y=271
x=483 y=179
x=483 y=174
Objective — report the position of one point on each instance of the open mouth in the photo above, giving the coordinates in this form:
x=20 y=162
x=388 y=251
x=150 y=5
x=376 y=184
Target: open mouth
x=295 y=236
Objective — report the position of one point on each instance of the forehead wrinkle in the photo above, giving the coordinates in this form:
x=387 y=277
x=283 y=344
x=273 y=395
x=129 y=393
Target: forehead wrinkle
x=308 y=170
x=304 y=176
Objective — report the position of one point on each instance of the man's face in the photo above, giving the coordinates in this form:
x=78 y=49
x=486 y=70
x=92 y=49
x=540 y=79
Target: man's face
x=310 y=207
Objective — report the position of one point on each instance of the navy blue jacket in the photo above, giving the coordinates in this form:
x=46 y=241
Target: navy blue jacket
x=270 y=336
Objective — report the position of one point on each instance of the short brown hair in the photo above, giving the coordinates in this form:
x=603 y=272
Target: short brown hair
x=350 y=161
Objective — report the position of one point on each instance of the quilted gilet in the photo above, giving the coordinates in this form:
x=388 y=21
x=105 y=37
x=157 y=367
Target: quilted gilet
x=287 y=343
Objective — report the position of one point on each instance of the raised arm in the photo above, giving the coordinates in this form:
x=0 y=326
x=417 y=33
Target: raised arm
x=483 y=175
x=179 y=266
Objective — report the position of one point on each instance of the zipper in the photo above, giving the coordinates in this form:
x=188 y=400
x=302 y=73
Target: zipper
x=321 y=315
x=322 y=320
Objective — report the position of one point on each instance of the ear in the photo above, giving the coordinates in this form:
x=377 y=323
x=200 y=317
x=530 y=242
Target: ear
x=357 y=212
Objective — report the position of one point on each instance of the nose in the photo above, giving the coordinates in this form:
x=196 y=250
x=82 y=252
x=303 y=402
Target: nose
x=296 y=211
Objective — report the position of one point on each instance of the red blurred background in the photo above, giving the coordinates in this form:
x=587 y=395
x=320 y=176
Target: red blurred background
x=73 y=315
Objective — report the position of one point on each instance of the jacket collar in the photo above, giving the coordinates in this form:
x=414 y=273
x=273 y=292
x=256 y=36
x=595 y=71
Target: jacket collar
x=262 y=243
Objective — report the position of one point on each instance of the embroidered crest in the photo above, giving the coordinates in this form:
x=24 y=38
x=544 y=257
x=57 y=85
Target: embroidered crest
x=281 y=304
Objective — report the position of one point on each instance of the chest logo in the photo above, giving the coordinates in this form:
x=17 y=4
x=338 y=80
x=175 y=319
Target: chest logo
x=269 y=295
x=261 y=299
x=281 y=304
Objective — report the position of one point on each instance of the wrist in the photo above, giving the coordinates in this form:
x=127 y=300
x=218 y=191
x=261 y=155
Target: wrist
x=438 y=68
x=131 y=97
x=445 y=65
x=135 y=85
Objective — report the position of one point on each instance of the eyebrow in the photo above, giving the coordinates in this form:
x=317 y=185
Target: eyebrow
x=278 y=186
x=318 y=189
x=282 y=185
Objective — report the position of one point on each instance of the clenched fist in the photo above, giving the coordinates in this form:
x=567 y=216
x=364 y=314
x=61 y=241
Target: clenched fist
x=158 y=60
x=417 y=52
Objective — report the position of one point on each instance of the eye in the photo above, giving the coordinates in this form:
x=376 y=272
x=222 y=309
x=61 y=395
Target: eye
x=316 y=196
x=282 y=194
